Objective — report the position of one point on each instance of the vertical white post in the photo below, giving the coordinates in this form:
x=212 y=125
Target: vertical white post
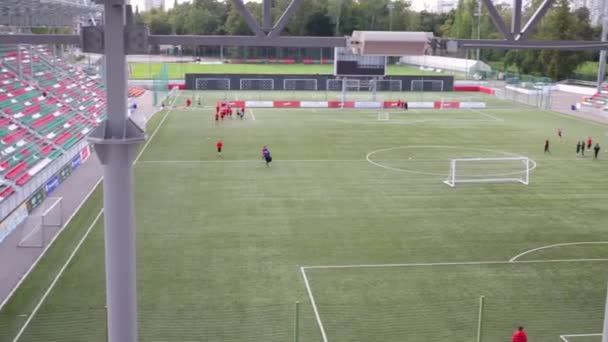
x=605 y=331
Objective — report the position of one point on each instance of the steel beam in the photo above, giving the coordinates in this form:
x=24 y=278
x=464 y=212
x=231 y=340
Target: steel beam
x=531 y=44
x=535 y=19
x=516 y=18
x=497 y=20
x=289 y=12
x=67 y=39
x=248 y=17
x=115 y=142
x=267 y=26
x=249 y=41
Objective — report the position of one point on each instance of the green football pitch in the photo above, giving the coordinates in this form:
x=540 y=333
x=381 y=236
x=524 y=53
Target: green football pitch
x=178 y=70
x=351 y=220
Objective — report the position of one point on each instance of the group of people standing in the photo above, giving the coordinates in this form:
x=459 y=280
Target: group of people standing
x=581 y=146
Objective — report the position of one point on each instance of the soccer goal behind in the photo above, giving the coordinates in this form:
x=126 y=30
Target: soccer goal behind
x=299 y=84
x=489 y=170
x=213 y=84
x=257 y=84
x=49 y=215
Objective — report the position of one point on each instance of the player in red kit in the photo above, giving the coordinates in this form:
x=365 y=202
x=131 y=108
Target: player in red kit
x=589 y=143
x=219 y=144
x=519 y=335
x=217 y=117
x=188 y=102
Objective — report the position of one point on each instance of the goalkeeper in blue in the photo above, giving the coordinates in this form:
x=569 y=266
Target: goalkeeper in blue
x=266 y=155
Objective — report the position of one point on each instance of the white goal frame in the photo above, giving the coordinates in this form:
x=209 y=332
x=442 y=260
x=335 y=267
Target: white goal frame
x=200 y=83
x=384 y=116
x=392 y=85
x=36 y=237
x=565 y=337
x=294 y=82
x=243 y=80
x=421 y=84
x=522 y=177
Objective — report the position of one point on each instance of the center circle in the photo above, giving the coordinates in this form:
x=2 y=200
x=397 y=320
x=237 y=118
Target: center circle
x=431 y=160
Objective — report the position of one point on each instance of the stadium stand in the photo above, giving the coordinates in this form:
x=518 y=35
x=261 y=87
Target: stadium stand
x=43 y=114
x=599 y=99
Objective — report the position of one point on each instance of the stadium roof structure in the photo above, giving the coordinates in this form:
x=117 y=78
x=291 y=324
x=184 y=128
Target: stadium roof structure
x=45 y=13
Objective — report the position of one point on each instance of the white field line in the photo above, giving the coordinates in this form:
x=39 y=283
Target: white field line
x=154 y=133
x=314 y=304
x=247 y=161
x=514 y=259
x=59 y=274
x=50 y=288
x=565 y=337
x=463 y=263
x=49 y=245
x=252 y=115
x=486 y=115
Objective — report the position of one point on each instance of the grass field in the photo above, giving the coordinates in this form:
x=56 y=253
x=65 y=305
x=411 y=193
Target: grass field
x=383 y=251
x=177 y=70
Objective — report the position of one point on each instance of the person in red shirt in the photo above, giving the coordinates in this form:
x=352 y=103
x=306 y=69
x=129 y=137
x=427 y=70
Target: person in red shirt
x=519 y=335
x=219 y=144
x=188 y=102
x=217 y=117
x=217 y=108
x=589 y=143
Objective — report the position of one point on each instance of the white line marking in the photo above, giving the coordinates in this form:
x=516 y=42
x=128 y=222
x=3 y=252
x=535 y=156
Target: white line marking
x=369 y=155
x=314 y=305
x=248 y=161
x=486 y=115
x=513 y=259
x=463 y=263
x=565 y=337
x=63 y=268
x=154 y=133
x=50 y=244
x=252 y=115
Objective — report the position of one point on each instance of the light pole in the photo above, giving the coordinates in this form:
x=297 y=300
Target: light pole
x=391 y=7
x=478 y=24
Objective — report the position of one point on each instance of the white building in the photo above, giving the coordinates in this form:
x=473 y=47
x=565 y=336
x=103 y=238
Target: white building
x=594 y=6
x=150 y=4
x=444 y=6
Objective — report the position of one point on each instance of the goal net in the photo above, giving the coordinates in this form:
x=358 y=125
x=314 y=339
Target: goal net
x=489 y=170
x=427 y=85
x=257 y=84
x=389 y=85
x=48 y=216
x=213 y=84
x=299 y=84
x=383 y=116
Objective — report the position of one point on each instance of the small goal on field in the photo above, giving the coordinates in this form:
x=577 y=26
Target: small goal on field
x=489 y=170
x=581 y=338
x=48 y=216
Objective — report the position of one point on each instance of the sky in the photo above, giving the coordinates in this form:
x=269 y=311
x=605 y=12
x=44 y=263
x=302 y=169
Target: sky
x=417 y=5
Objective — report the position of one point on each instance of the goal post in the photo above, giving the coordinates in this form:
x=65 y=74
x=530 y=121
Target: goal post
x=212 y=84
x=489 y=170
x=427 y=85
x=383 y=116
x=35 y=230
x=299 y=84
x=257 y=84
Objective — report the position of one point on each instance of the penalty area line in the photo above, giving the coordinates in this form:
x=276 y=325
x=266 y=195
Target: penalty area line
x=314 y=304
x=462 y=263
